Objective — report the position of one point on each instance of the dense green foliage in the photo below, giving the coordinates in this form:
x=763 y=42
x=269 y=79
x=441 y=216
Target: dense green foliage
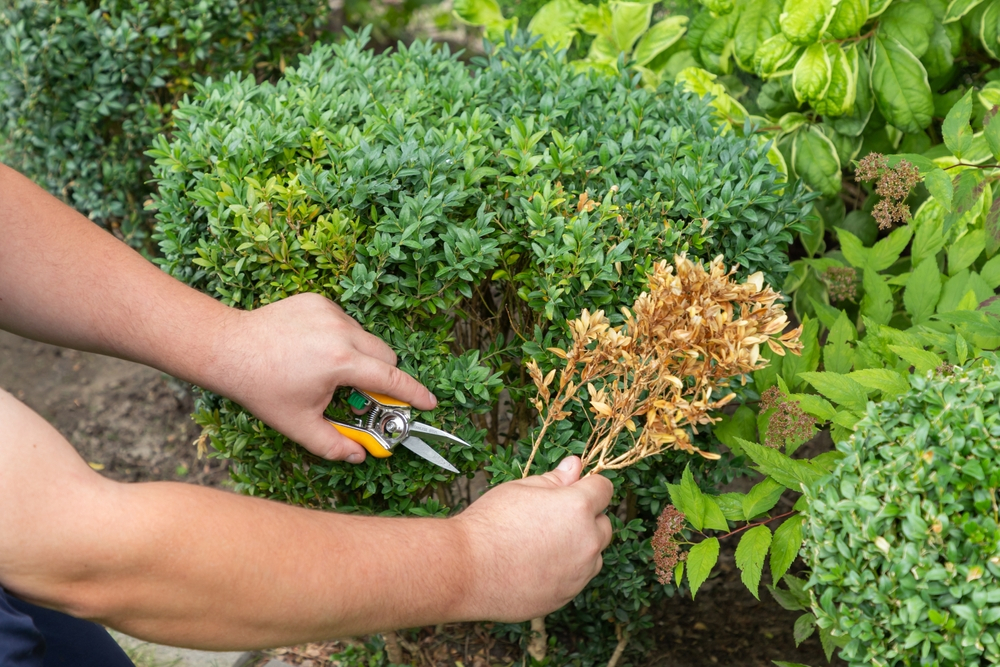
x=464 y=215
x=903 y=538
x=87 y=85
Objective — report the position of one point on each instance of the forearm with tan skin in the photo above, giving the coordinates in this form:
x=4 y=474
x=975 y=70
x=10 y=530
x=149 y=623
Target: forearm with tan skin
x=65 y=281
x=197 y=567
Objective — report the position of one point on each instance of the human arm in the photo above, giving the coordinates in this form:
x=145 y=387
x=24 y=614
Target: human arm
x=197 y=567
x=65 y=281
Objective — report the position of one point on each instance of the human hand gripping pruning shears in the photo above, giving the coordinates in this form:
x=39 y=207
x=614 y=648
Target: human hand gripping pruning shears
x=383 y=422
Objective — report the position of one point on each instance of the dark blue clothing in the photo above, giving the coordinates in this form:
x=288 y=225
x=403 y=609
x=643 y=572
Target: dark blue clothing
x=32 y=636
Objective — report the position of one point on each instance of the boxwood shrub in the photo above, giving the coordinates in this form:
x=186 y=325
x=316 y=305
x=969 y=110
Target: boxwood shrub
x=904 y=537
x=463 y=213
x=85 y=85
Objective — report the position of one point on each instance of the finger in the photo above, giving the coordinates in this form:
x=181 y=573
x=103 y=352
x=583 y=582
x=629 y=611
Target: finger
x=598 y=489
x=605 y=530
x=378 y=376
x=322 y=439
x=373 y=346
x=565 y=474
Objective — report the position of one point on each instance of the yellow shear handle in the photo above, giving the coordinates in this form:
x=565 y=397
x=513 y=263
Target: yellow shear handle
x=386 y=400
x=363 y=438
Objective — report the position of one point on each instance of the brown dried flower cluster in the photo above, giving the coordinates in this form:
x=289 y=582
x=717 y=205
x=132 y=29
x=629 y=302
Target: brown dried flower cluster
x=666 y=547
x=842 y=283
x=893 y=185
x=683 y=340
x=788 y=421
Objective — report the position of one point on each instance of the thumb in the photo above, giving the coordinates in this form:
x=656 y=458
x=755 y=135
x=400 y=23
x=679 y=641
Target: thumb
x=568 y=472
x=323 y=440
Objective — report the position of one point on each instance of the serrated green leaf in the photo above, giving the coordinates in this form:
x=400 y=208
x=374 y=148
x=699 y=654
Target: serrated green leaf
x=956 y=130
x=923 y=290
x=792 y=473
x=840 y=389
x=714 y=516
x=785 y=547
x=854 y=252
x=963 y=252
x=700 y=561
x=805 y=626
x=921 y=360
x=686 y=497
x=815 y=405
x=889 y=382
x=885 y=253
x=731 y=505
x=750 y=554
x=877 y=301
x=838 y=355
x=761 y=498
x=741 y=424
x=940 y=186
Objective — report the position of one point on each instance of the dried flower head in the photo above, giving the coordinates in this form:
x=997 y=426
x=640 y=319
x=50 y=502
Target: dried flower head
x=666 y=546
x=842 y=283
x=660 y=374
x=788 y=422
x=893 y=185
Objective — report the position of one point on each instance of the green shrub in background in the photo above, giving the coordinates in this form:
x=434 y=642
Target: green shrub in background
x=464 y=215
x=903 y=539
x=85 y=86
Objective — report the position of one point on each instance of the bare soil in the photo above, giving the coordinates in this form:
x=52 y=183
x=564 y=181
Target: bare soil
x=133 y=424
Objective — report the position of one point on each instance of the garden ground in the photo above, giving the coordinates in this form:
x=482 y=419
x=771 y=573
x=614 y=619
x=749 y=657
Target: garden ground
x=133 y=424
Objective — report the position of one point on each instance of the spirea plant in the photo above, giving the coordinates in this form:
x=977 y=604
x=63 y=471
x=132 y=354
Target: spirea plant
x=904 y=537
x=465 y=214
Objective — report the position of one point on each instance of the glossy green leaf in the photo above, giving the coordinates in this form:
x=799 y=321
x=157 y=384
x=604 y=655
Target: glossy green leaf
x=959 y=8
x=854 y=122
x=700 y=561
x=909 y=23
x=629 y=20
x=848 y=17
x=554 y=22
x=802 y=21
x=815 y=161
x=811 y=74
x=842 y=89
x=750 y=555
x=775 y=57
x=758 y=23
x=899 y=82
x=938 y=59
x=660 y=37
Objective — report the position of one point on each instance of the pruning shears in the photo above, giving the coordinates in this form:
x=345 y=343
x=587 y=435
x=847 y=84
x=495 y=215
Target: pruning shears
x=384 y=422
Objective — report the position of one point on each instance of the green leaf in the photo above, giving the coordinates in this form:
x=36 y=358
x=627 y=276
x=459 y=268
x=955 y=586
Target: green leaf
x=767 y=377
x=792 y=473
x=628 y=21
x=970 y=188
x=481 y=12
x=757 y=24
x=687 y=497
x=939 y=184
x=555 y=20
x=775 y=56
x=988 y=28
x=911 y=24
x=802 y=21
x=814 y=405
x=750 y=554
x=959 y=8
x=877 y=302
x=715 y=518
x=787 y=599
x=921 y=360
x=923 y=290
x=889 y=382
x=929 y=237
x=991 y=130
x=840 y=389
x=815 y=161
x=786 y=545
x=700 y=561
x=741 y=424
x=991 y=272
x=761 y=498
x=966 y=250
x=899 y=82
x=856 y=120
x=838 y=356
x=659 y=38
x=805 y=626
x=811 y=75
x=848 y=17
x=885 y=253
x=991 y=224
x=956 y=130
x=939 y=58
x=854 y=252
x=840 y=93
x=731 y=505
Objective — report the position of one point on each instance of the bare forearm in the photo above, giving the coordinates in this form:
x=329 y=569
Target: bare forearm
x=65 y=281
x=220 y=571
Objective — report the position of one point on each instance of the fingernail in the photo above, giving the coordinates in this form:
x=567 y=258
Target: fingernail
x=566 y=464
x=355 y=458
x=434 y=400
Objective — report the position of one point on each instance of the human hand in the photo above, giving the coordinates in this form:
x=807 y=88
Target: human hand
x=536 y=542
x=282 y=362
